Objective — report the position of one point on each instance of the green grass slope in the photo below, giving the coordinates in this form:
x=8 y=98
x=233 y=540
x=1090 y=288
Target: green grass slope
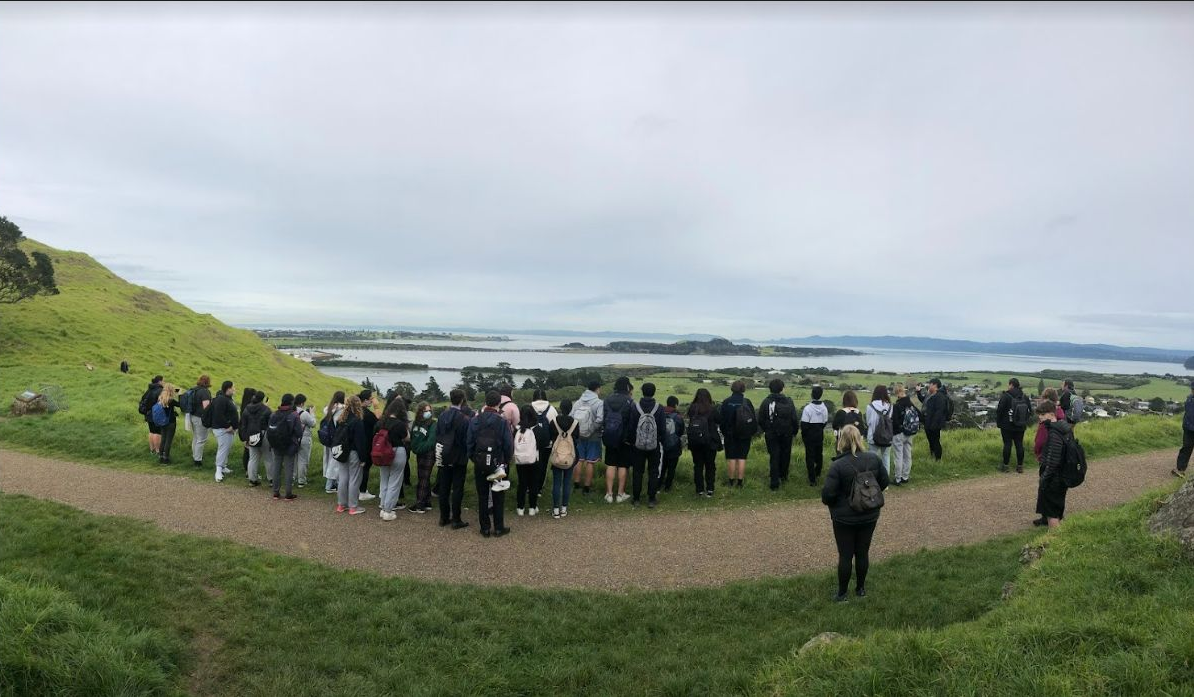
x=101 y=319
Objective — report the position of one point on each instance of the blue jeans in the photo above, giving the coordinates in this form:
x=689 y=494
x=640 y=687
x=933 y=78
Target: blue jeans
x=561 y=486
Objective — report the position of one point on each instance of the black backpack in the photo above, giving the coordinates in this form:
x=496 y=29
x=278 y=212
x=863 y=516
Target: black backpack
x=445 y=436
x=615 y=419
x=342 y=444
x=698 y=431
x=1021 y=412
x=487 y=443
x=205 y=419
x=1073 y=463
x=281 y=431
x=865 y=492
x=782 y=418
x=146 y=402
x=746 y=424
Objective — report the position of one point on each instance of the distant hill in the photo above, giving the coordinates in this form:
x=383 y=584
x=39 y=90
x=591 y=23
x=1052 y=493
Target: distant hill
x=1052 y=349
x=713 y=347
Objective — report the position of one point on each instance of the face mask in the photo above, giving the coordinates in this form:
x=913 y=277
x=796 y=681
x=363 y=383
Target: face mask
x=426 y=415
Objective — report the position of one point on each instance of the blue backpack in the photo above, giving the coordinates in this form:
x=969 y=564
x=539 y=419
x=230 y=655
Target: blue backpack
x=327 y=431
x=159 y=415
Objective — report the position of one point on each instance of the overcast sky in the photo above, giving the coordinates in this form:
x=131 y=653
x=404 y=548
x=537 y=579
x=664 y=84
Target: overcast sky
x=992 y=174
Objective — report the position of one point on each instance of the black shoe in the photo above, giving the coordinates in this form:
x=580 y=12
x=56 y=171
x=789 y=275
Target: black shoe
x=501 y=532
x=812 y=483
x=840 y=598
x=775 y=488
x=289 y=497
x=1039 y=522
x=444 y=523
x=899 y=482
x=254 y=482
x=634 y=503
x=1003 y=468
x=198 y=463
x=860 y=592
x=459 y=524
x=652 y=503
x=484 y=533
x=739 y=483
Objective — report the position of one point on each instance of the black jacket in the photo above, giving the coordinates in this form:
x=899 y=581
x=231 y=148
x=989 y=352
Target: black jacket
x=1059 y=433
x=199 y=395
x=936 y=411
x=565 y=423
x=254 y=420
x=647 y=404
x=1003 y=412
x=771 y=426
x=902 y=405
x=223 y=413
x=839 y=482
x=149 y=398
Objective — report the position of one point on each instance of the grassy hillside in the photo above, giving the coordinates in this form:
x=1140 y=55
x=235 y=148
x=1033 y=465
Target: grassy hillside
x=112 y=606
x=101 y=319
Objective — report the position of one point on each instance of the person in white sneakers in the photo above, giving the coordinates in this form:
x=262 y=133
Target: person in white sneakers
x=528 y=439
x=223 y=420
x=880 y=431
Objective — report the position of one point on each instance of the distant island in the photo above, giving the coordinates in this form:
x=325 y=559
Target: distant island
x=713 y=347
x=1049 y=349
x=348 y=335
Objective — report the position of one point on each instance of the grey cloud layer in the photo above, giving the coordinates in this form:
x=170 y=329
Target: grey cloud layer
x=990 y=176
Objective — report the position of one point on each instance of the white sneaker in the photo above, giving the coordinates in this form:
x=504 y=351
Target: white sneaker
x=533 y=511
x=366 y=496
x=564 y=512
x=609 y=498
x=555 y=513
x=622 y=498
x=383 y=515
x=519 y=511
x=500 y=485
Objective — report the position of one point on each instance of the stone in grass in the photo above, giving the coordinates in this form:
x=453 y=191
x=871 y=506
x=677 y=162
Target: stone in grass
x=1030 y=553
x=1176 y=516
x=1009 y=589
x=820 y=640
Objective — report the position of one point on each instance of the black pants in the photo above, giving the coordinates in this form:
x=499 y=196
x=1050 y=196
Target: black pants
x=814 y=455
x=704 y=468
x=853 y=544
x=1010 y=438
x=451 y=491
x=365 y=474
x=528 y=482
x=649 y=461
x=541 y=470
x=490 y=505
x=779 y=447
x=668 y=473
x=934 y=442
x=1183 y=455
x=167 y=440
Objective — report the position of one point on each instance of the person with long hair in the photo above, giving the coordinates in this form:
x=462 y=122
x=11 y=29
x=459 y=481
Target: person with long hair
x=703 y=441
x=331 y=468
x=852 y=529
x=348 y=489
x=563 y=426
x=422 y=444
x=545 y=413
x=254 y=424
x=1051 y=488
x=879 y=409
x=168 y=400
x=848 y=415
x=528 y=435
x=903 y=421
x=394 y=422
x=302 y=461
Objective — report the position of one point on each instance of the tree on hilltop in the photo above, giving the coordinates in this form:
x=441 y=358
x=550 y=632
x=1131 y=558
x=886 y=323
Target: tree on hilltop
x=20 y=278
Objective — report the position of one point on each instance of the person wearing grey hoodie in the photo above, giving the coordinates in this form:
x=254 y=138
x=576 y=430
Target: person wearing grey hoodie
x=589 y=412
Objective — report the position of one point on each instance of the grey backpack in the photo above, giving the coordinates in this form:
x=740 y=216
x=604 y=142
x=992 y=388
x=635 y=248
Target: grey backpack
x=1077 y=405
x=865 y=492
x=646 y=436
x=883 y=428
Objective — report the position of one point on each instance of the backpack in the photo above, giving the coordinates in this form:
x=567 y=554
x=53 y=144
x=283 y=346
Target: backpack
x=883 y=429
x=327 y=430
x=381 y=452
x=911 y=425
x=646 y=435
x=159 y=415
x=746 y=423
x=184 y=401
x=671 y=432
x=781 y=418
x=487 y=443
x=612 y=437
x=146 y=403
x=205 y=419
x=1076 y=412
x=563 y=451
x=865 y=492
x=698 y=431
x=251 y=430
x=1020 y=415
x=586 y=422
x=526 y=447
x=280 y=433
x=445 y=438
x=544 y=423
x=341 y=447
x=1073 y=463
x=853 y=418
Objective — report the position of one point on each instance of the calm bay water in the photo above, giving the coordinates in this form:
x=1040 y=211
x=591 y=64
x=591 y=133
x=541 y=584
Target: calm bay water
x=530 y=352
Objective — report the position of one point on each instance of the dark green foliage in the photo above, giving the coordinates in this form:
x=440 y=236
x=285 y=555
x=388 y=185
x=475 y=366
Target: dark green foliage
x=20 y=278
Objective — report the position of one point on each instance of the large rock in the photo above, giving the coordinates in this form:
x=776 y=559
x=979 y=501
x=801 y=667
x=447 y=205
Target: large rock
x=1176 y=516
x=820 y=640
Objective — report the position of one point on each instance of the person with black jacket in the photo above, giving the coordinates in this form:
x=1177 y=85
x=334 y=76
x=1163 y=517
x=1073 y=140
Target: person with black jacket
x=369 y=423
x=224 y=421
x=779 y=423
x=813 y=419
x=200 y=398
x=561 y=477
x=737 y=444
x=285 y=433
x=901 y=443
x=348 y=487
x=490 y=427
x=1183 y=454
x=852 y=530
x=704 y=440
x=168 y=399
x=254 y=423
x=148 y=399
x=246 y=398
x=1051 y=491
x=618 y=439
x=392 y=474
x=454 y=421
x=672 y=451
x=529 y=432
x=1011 y=425
x=649 y=460
x=936 y=411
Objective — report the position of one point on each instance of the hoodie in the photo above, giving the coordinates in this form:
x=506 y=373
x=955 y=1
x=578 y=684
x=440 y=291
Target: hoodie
x=873 y=410
x=589 y=400
x=1003 y=412
x=812 y=422
x=255 y=419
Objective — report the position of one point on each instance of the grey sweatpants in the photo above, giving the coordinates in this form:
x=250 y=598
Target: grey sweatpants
x=391 y=480
x=349 y=482
x=902 y=445
x=281 y=467
x=224 y=446
x=257 y=457
x=303 y=459
x=198 y=437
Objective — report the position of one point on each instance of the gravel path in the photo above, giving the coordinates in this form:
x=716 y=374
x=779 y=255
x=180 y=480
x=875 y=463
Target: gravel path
x=656 y=549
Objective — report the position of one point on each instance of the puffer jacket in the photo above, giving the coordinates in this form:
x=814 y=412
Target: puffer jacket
x=1059 y=432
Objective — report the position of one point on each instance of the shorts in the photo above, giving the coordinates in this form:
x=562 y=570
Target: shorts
x=619 y=456
x=588 y=449
x=737 y=449
x=154 y=428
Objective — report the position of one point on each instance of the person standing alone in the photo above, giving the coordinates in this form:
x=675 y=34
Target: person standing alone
x=937 y=413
